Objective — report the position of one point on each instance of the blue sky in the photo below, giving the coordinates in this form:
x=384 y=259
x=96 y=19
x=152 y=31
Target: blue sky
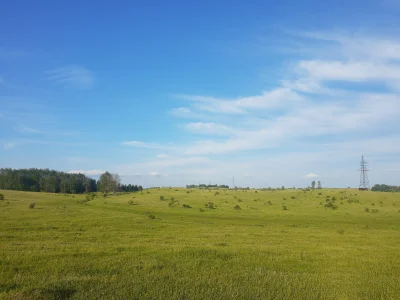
x=175 y=93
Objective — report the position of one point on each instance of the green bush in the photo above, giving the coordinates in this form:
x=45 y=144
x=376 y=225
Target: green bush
x=1 y=197
x=237 y=207
x=32 y=205
x=284 y=207
x=186 y=206
x=162 y=198
x=210 y=205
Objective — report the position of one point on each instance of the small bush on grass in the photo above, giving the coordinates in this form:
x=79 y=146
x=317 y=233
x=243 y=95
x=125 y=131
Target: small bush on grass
x=284 y=207
x=150 y=215
x=366 y=209
x=186 y=206
x=32 y=205
x=237 y=207
x=210 y=205
x=340 y=231
x=1 y=197
x=162 y=198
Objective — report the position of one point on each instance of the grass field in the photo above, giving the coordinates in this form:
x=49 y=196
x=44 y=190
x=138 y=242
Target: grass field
x=136 y=246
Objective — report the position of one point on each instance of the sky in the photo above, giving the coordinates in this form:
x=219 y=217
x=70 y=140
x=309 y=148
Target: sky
x=169 y=93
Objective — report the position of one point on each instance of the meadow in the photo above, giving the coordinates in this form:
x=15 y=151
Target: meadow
x=201 y=244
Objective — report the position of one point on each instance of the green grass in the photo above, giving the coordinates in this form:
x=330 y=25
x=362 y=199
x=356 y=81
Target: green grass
x=137 y=246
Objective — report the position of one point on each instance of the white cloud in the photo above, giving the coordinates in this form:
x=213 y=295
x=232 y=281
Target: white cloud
x=162 y=155
x=350 y=71
x=87 y=172
x=9 y=144
x=329 y=108
x=311 y=175
x=25 y=129
x=267 y=100
x=138 y=144
x=209 y=128
x=72 y=76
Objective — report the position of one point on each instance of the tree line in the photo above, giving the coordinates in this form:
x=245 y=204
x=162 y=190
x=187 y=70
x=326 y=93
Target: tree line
x=385 y=188
x=51 y=181
x=206 y=186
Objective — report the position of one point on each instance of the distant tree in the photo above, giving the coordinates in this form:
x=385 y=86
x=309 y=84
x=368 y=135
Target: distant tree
x=385 y=188
x=105 y=183
x=313 y=184
x=319 y=185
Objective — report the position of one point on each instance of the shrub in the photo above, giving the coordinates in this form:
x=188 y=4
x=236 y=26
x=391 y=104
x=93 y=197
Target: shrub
x=201 y=210
x=269 y=202
x=186 y=206
x=374 y=210
x=162 y=198
x=1 y=197
x=210 y=205
x=284 y=207
x=340 y=231
x=216 y=193
x=240 y=200
x=32 y=205
x=293 y=197
x=331 y=204
x=366 y=209
x=151 y=216
x=237 y=207
x=373 y=204
x=319 y=194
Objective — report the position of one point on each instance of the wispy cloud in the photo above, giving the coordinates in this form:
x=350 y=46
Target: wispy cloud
x=9 y=144
x=311 y=176
x=139 y=144
x=306 y=106
x=27 y=130
x=11 y=53
x=72 y=76
x=209 y=128
x=267 y=100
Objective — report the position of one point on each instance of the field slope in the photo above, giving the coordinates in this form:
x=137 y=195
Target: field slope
x=196 y=245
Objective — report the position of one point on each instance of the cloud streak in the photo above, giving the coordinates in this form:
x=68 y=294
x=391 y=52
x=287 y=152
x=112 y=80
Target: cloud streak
x=72 y=76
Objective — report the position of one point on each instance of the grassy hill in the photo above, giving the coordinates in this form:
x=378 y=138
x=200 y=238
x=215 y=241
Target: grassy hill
x=341 y=244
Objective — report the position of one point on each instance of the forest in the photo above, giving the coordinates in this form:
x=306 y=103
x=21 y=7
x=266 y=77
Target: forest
x=385 y=188
x=51 y=181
